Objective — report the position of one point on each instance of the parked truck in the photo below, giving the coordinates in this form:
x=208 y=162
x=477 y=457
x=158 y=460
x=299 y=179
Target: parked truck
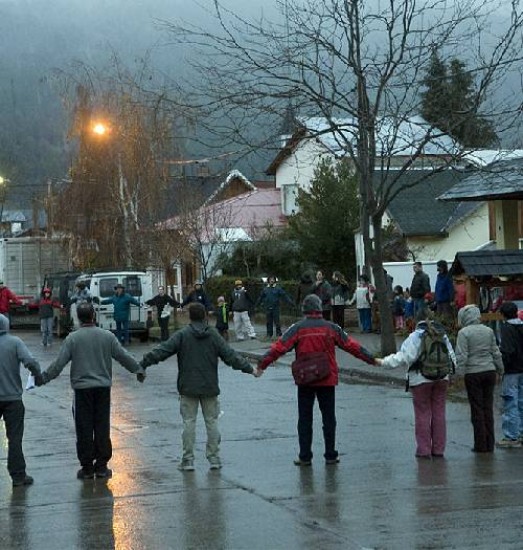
x=24 y=262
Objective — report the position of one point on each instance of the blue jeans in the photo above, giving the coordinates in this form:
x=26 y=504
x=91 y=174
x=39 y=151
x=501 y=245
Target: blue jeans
x=365 y=319
x=46 y=328
x=512 y=395
x=122 y=331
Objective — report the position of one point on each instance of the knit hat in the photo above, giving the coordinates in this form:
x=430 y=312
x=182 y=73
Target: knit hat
x=311 y=304
x=238 y=282
x=221 y=299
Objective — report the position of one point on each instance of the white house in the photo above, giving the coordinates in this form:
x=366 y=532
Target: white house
x=433 y=230
x=317 y=139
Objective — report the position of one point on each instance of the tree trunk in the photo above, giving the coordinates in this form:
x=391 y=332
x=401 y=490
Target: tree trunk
x=388 y=341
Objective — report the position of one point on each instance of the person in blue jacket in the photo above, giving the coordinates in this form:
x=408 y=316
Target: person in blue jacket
x=270 y=299
x=444 y=290
x=122 y=304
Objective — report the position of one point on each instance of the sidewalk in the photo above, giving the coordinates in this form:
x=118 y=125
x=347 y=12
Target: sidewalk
x=351 y=368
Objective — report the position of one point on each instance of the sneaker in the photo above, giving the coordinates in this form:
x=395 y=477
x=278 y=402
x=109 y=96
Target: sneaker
x=186 y=466
x=217 y=465
x=300 y=462
x=21 y=481
x=84 y=474
x=332 y=460
x=506 y=443
x=106 y=473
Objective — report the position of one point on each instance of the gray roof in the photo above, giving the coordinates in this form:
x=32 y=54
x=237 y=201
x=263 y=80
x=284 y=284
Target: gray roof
x=416 y=210
x=488 y=263
x=500 y=180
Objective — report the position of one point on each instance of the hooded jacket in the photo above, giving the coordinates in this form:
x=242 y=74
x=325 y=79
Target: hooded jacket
x=240 y=300
x=7 y=297
x=198 y=348
x=13 y=352
x=410 y=351
x=315 y=334
x=476 y=347
x=512 y=346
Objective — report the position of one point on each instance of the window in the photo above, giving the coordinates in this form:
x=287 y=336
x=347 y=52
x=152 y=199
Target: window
x=133 y=285
x=107 y=286
x=289 y=199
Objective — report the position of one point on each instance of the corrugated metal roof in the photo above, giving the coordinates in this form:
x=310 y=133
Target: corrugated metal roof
x=484 y=263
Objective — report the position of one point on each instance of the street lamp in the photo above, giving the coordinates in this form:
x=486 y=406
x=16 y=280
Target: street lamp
x=100 y=128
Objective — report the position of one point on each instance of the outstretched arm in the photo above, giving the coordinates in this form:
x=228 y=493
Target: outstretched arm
x=162 y=351
x=352 y=346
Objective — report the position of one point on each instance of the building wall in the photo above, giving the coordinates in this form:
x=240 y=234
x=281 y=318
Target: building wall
x=296 y=172
x=469 y=235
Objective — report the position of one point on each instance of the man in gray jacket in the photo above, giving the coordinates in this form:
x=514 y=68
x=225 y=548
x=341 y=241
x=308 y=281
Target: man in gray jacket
x=90 y=350
x=13 y=352
x=199 y=347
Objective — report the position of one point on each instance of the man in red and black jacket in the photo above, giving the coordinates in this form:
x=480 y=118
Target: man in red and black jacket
x=7 y=297
x=314 y=334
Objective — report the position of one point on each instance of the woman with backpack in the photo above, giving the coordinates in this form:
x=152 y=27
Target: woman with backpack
x=428 y=355
x=478 y=356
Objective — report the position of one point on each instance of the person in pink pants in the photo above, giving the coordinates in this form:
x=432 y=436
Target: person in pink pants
x=428 y=396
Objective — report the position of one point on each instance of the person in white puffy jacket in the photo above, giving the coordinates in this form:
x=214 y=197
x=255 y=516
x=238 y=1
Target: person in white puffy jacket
x=428 y=396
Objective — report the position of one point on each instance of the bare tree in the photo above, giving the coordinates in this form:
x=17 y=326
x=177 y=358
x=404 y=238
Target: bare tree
x=119 y=176
x=358 y=64
x=203 y=230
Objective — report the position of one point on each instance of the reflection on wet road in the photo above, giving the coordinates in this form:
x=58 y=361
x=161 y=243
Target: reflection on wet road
x=379 y=496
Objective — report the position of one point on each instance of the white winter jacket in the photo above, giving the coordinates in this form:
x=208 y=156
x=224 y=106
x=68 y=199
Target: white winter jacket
x=410 y=351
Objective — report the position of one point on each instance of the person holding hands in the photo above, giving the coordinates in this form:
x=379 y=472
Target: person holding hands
x=198 y=348
x=428 y=384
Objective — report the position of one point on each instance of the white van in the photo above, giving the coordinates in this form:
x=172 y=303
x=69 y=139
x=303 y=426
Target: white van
x=138 y=284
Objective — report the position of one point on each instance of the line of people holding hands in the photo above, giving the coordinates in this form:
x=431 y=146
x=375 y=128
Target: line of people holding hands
x=199 y=347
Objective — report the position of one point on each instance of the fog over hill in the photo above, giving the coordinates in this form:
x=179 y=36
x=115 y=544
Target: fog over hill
x=39 y=36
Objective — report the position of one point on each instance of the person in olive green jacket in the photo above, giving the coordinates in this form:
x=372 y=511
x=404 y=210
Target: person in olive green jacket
x=198 y=347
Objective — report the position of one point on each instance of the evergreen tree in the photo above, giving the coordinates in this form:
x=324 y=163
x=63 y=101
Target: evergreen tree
x=435 y=99
x=451 y=104
x=327 y=218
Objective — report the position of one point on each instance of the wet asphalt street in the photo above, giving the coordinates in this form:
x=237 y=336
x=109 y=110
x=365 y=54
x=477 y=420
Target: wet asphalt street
x=379 y=496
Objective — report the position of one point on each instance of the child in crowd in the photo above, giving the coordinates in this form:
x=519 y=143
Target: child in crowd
x=398 y=308
x=46 y=314
x=409 y=311
x=363 y=298
x=222 y=318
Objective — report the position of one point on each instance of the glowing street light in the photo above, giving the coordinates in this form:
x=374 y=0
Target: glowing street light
x=100 y=129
